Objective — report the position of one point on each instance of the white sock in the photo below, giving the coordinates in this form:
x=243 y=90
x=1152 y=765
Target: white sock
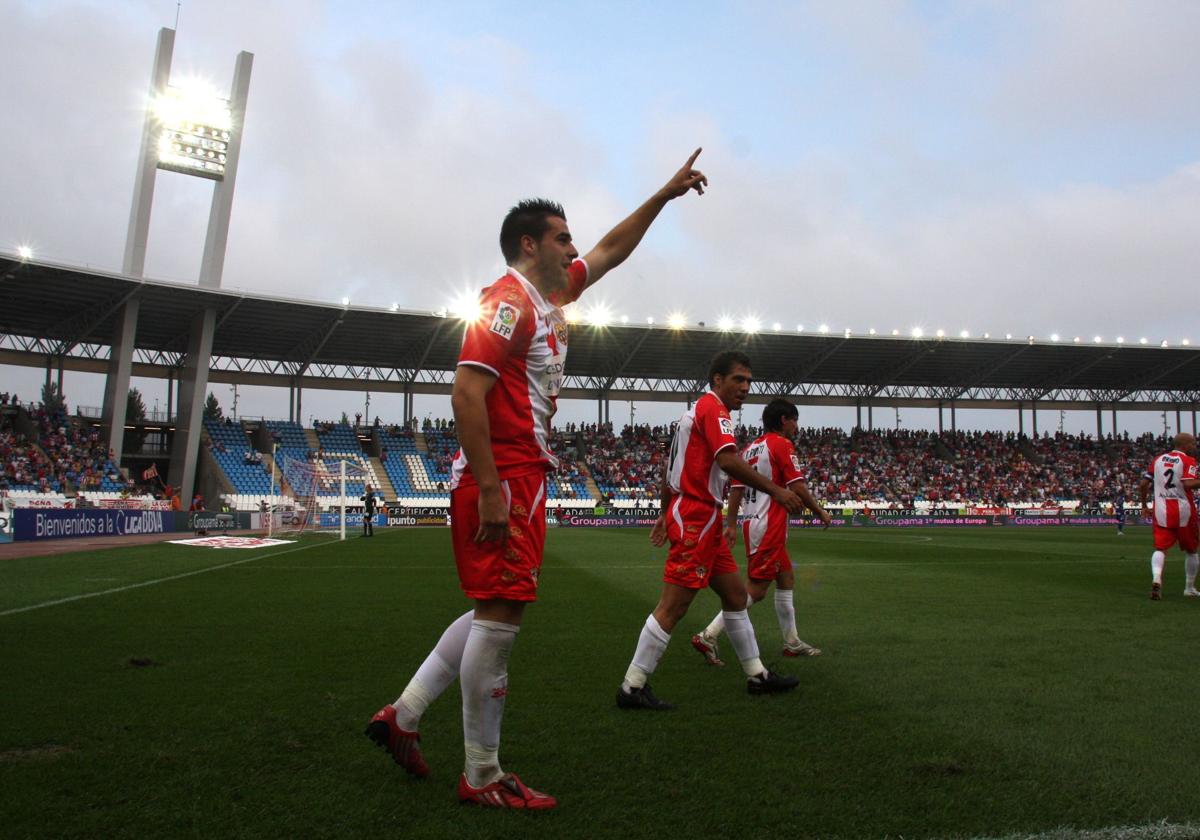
x=717 y=626
x=785 y=611
x=1193 y=565
x=1157 y=560
x=650 y=647
x=745 y=645
x=484 y=681
x=436 y=673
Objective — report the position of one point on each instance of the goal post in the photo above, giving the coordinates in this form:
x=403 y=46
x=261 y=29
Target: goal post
x=318 y=492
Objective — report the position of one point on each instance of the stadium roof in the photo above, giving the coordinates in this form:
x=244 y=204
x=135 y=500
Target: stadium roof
x=54 y=315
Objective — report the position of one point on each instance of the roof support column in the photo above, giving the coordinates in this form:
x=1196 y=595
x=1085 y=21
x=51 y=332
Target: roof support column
x=1099 y=423
x=870 y=419
x=170 y=394
x=953 y=419
x=1020 y=420
x=858 y=415
x=116 y=383
x=1178 y=415
x=1033 y=414
x=1114 y=420
x=193 y=387
x=941 y=428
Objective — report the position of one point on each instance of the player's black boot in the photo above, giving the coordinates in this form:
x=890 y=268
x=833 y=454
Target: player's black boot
x=769 y=682
x=641 y=698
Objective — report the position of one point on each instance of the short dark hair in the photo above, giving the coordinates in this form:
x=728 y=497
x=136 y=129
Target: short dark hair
x=776 y=411
x=528 y=218
x=725 y=361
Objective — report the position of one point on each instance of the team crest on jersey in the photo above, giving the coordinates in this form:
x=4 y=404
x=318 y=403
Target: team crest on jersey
x=726 y=426
x=505 y=320
x=519 y=510
x=515 y=532
x=560 y=332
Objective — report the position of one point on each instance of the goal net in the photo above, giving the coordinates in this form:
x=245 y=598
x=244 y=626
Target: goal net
x=317 y=491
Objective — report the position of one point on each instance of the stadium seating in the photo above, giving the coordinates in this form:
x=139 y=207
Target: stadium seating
x=241 y=464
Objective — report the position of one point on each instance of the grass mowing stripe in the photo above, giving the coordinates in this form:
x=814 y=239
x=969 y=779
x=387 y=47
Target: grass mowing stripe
x=117 y=589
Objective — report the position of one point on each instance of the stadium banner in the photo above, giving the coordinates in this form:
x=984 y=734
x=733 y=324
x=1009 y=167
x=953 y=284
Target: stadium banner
x=333 y=519
x=401 y=516
x=906 y=513
x=610 y=518
x=1077 y=519
x=62 y=524
x=5 y=526
x=133 y=504
x=925 y=521
x=45 y=503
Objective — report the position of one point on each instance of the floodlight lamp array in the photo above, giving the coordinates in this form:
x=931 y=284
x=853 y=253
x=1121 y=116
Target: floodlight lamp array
x=194 y=132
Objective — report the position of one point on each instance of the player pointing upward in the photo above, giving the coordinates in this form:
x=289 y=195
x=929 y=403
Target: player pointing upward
x=1173 y=476
x=506 y=386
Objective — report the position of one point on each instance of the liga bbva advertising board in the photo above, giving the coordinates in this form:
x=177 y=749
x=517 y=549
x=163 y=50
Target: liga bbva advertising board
x=66 y=524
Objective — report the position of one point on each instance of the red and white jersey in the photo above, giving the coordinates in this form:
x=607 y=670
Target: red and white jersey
x=774 y=457
x=704 y=430
x=1174 y=506
x=522 y=339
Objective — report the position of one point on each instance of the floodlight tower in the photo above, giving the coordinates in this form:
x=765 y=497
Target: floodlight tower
x=190 y=130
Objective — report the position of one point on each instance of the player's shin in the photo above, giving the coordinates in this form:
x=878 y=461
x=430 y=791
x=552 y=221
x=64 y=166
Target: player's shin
x=1157 y=560
x=652 y=643
x=745 y=645
x=785 y=612
x=1192 y=566
x=435 y=675
x=484 y=681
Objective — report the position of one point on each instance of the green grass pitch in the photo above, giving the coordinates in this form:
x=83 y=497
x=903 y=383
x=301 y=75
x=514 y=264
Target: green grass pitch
x=974 y=683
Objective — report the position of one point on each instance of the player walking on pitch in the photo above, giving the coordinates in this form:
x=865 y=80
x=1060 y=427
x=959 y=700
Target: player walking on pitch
x=704 y=449
x=1173 y=476
x=765 y=530
x=506 y=386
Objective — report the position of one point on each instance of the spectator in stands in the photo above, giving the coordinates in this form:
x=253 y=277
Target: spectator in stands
x=197 y=502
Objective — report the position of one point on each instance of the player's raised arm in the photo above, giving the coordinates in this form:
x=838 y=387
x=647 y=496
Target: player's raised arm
x=619 y=242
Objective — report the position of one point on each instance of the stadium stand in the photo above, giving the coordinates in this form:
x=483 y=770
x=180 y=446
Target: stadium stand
x=242 y=465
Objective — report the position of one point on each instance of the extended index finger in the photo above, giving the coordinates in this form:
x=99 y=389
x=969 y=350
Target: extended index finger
x=692 y=159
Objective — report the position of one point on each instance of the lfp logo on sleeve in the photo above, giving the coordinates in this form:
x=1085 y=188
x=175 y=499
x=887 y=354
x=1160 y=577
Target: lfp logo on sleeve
x=505 y=320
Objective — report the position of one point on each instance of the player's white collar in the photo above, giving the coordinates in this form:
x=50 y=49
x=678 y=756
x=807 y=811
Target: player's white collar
x=539 y=303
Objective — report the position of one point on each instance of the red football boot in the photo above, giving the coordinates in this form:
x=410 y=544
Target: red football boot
x=506 y=792
x=402 y=744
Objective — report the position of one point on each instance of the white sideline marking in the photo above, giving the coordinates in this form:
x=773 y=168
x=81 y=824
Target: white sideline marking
x=118 y=589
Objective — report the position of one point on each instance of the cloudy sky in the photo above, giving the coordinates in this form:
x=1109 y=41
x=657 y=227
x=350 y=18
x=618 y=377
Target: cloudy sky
x=992 y=166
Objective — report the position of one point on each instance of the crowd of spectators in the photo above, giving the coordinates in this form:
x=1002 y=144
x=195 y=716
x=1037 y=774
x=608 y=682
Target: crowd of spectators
x=628 y=465
x=64 y=457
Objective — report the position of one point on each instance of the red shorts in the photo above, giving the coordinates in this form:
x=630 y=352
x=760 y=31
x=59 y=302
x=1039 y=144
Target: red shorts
x=768 y=562
x=698 y=550
x=1188 y=537
x=506 y=570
